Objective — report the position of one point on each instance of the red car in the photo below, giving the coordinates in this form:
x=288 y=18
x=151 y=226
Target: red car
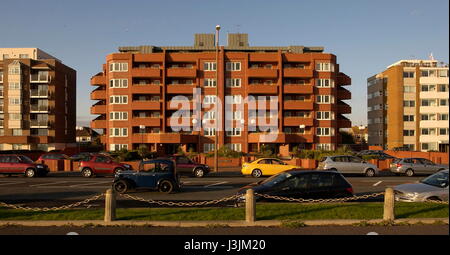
x=97 y=164
x=20 y=164
x=52 y=156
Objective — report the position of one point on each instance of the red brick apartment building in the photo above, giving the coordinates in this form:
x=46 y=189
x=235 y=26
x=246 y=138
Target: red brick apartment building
x=136 y=85
x=37 y=101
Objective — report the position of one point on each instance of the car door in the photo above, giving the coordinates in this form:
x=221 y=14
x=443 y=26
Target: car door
x=265 y=165
x=418 y=166
x=276 y=166
x=3 y=165
x=15 y=165
x=319 y=185
x=146 y=177
x=183 y=165
x=340 y=163
x=356 y=165
x=293 y=187
x=102 y=165
x=428 y=166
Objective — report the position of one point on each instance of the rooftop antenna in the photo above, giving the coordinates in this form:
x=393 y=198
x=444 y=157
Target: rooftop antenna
x=431 y=56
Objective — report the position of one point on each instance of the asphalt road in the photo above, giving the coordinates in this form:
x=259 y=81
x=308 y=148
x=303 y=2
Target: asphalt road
x=309 y=230
x=63 y=188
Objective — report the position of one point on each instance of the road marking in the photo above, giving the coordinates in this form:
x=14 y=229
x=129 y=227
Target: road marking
x=215 y=184
x=43 y=184
x=372 y=234
x=72 y=234
x=9 y=183
x=89 y=184
x=376 y=184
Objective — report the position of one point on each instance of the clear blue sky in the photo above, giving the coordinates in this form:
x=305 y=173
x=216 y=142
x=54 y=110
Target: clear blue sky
x=366 y=36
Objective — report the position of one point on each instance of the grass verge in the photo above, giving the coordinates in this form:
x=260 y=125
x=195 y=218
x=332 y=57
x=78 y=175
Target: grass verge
x=268 y=211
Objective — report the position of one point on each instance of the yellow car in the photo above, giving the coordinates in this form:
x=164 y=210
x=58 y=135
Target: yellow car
x=265 y=166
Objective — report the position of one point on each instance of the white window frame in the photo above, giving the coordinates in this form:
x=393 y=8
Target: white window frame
x=209 y=83
x=118 y=132
x=209 y=131
x=118 y=67
x=325 y=83
x=118 y=83
x=233 y=66
x=321 y=115
x=233 y=82
x=324 y=67
x=320 y=99
x=122 y=99
x=112 y=147
x=234 y=146
x=236 y=99
x=14 y=86
x=209 y=99
x=120 y=115
x=209 y=66
x=208 y=147
x=324 y=146
x=209 y=115
x=234 y=132
x=324 y=131
x=237 y=115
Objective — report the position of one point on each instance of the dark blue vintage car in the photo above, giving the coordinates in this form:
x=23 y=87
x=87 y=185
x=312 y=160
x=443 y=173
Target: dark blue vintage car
x=155 y=174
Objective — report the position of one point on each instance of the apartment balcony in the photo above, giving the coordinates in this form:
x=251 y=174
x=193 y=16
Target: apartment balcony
x=263 y=57
x=146 y=105
x=39 y=108
x=262 y=73
x=39 y=123
x=344 y=123
x=344 y=94
x=298 y=105
x=298 y=89
x=98 y=123
x=180 y=89
x=258 y=105
x=98 y=94
x=1 y=123
x=22 y=139
x=98 y=109
x=146 y=72
x=280 y=138
x=298 y=73
x=343 y=79
x=146 y=89
x=344 y=108
x=149 y=57
x=39 y=78
x=98 y=80
x=177 y=105
x=179 y=121
x=297 y=121
x=148 y=122
x=39 y=93
x=175 y=138
x=263 y=89
x=181 y=72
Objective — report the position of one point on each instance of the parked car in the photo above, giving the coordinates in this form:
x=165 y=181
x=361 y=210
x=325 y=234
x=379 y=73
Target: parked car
x=20 y=164
x=368 y=152
x=300 y=183
x=155 y=174
x=80 y=156
x=185 y=166
x=265 y=166
x=402 y=148
x=53 y=156
x=97 y=164
x=348 y=165
x=434 y=187
x=413 y=166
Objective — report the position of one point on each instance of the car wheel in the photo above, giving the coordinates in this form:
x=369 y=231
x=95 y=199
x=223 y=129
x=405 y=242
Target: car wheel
x=256 y=173
x=165 y=186
x=30 y=173
x=409 y=172
x=121 y=186
x=434 y=199
x=87 y=172
x=370 y=172
x=117 y=170
x=199 y=173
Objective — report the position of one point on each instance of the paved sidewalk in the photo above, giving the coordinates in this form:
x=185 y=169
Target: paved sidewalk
x=261 y=223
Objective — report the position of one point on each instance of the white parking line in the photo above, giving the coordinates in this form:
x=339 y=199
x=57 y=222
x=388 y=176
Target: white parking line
x=44 y=184
x=89 y=184
x=9 y=183
x=215 y=184
x=376 y=184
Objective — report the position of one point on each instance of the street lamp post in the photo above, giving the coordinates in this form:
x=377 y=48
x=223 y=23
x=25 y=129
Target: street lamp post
x=216 y=131
x=302 y=130
x=142 y=130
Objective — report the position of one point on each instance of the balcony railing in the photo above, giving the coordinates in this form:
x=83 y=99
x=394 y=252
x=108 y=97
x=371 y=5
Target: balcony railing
x=38 y=93
x=38 y=123
x=39 y=108
x=1 y=123
x=39 y=77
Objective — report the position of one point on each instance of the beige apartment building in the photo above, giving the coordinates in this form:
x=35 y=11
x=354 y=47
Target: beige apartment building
x=408 y=106
x=37 y=101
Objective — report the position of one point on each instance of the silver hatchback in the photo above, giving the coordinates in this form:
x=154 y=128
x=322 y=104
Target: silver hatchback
x=348 y=165
x=413 y=166
x=434 y=187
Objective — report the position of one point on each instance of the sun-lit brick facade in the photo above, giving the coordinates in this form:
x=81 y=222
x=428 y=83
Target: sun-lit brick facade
x=136 y=85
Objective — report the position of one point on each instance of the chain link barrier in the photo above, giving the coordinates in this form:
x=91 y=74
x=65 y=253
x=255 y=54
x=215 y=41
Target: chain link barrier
x=437 y=201
x=330 y=200
x=46 y=209
x=202 y=203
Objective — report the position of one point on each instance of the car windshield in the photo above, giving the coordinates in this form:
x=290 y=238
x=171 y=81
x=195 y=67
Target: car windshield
x=439 y=179
x=276 y=179
x=25 y=159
